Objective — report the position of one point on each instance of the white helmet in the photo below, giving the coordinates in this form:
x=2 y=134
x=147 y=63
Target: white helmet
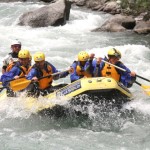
x=15 y=42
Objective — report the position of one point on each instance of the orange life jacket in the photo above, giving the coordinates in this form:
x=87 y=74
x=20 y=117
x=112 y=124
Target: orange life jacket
x=24 y=70
x=110 y=71
x=10 y=66
x=81 y=72
x=46 y=82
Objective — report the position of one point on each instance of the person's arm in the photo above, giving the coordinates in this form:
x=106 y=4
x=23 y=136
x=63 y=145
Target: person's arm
x=74 y=76
x=4 y=69
x=31 y=74
x=61 y=75
x=127 y=77
x=5 y=63
x=9 y=75
x=98 y=65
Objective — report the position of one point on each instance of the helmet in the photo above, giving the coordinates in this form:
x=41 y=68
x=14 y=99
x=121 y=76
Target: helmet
x=114 y=52
x=83 y=56
x=30 y=57
x=24 y=54
x=39 y=56
x=15 y=42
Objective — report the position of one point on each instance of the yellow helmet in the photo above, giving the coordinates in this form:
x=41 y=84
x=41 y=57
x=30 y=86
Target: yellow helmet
x=83 y=56
x=39 y=56
x=114 y=52
x=30 y=57
x=24 y=54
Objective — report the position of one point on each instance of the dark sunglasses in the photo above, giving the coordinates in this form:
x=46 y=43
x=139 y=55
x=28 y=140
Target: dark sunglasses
x=17 y=45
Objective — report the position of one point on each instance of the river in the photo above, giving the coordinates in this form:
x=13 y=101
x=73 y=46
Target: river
x=21 y=130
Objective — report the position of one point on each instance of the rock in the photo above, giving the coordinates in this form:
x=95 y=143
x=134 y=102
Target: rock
x=47 y=1
x=80 y=2
x=7 y=1
x=118 y=23
x=54 y=14
x=142 y=27
x=112 y=8
x=111 y=27
x=128 y=22
x=94 y=3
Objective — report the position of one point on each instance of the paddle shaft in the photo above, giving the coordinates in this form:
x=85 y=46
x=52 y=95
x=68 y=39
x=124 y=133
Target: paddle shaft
x=17 y=86
x=138 y=83
x=114 y=65
x=54 y=74
x=15 y=79
x=125 y=71
x=143 y=78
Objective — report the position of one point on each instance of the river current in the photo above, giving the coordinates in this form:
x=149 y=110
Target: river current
x=21 y=130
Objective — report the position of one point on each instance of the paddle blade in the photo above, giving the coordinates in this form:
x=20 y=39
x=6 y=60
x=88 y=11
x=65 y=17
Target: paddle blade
x=19 y=84
x=1 y=84
x=146 y=89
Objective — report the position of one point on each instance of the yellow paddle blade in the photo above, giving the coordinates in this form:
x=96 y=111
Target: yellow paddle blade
x=19 y=84
x=1 y=84
x=146 y=89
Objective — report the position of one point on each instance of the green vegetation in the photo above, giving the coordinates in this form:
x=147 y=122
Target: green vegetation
x=135 y=6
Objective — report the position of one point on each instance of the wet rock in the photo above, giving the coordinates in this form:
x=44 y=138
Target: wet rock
x=112 y=8
x=46 y=1
x=54 y=14
x=80 y=2
x=117 y=23
x=7 y=1
x=142 y=27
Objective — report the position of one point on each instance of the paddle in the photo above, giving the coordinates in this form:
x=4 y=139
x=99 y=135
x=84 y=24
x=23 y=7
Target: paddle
x=143 y=78
x=125 y=70
x=145 y=87
x=0 y=84
x=2 y=87
x=22 y=83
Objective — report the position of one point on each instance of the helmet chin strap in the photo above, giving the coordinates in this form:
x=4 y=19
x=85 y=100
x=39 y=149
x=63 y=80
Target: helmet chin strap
x=116 y=53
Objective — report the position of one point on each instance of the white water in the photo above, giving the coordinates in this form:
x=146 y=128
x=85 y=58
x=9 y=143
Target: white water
x=21 y=130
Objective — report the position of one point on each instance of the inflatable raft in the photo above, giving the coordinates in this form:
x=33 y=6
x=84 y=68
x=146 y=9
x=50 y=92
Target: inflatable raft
x=82 y=92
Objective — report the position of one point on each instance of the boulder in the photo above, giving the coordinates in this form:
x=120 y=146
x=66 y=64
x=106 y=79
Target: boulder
x=80 y=2
x=118 y=23
x=112 y=7
x=142 y=27
x=54 y=14
x=7 y=1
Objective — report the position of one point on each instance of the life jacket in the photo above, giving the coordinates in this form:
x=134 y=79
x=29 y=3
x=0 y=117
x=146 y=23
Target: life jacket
x=10 y=66
x=81 y=71
x=23 y=70
x=110 y=71
x=47 y=70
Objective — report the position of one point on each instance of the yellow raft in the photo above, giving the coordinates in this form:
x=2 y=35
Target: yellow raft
x=97 y=90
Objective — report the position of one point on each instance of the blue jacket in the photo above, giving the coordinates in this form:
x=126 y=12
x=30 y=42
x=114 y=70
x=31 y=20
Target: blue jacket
x=125 y=77
x=34 y=72
x=15 y=71
x=74 y=76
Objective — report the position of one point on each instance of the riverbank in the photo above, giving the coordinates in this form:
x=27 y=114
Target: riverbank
x=127 y=15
